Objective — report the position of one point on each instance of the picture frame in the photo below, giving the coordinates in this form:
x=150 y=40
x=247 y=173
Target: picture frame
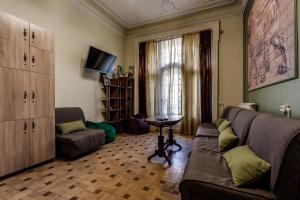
x=272 y=43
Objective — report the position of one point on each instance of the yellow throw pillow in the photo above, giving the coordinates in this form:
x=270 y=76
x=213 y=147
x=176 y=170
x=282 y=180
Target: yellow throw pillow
x=225 y=123
x=246 y=166
x=218 y=121
x=70 y=127
x=227 y=139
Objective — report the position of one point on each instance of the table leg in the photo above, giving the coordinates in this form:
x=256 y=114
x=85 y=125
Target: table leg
x=171 y=140
x=160 y=152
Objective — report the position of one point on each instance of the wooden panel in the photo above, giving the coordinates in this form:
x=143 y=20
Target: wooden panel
x=41 y=95
x=49 y=62
x=14 y=54
x=13 y=28
x=36 y=59
x=14 y=94
x=41 y=61
x=14 y=146
x=42 y=140
x=41 y=38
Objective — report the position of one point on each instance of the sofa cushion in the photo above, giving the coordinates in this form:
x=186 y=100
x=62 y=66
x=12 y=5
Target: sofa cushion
x=245 y=166
x=227 y=139
x=242 y=123
x=269 y=137
x=230 y=112
x=207 y=176
x=80 y=142
x=69 y=127
x=225 y=124
x=207 y=130
x=70 y=114
x=207 y=143
x=218 y=121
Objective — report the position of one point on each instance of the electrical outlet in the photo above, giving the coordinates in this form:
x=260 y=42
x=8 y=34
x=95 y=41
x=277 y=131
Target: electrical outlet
x=284 y=108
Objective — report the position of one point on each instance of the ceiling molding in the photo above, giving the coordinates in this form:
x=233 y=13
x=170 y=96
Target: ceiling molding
x=192 y=23
x=165 y=17
x=90 y=9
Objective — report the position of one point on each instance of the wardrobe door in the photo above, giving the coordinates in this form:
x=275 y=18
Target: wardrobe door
x=13 y=28
x=36 y=59
x=41 y=38
x=14 y=94
x=14 y=54
x=14 y=146
x=41 y=95
x=41 y=61
x=49 y=62
x=42 y=140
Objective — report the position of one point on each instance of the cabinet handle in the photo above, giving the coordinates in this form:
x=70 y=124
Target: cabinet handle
x=33 y=59
x=25 y=95
x=25 y=57
x=33 y=95
x=25 y=33
x=32 y=125
x=33 y=35
x=25 y=126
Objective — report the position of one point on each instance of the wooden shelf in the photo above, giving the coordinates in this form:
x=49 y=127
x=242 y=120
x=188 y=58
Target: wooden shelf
x=118 y=101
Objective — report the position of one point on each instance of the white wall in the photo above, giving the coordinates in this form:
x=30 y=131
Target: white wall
x=74 y=30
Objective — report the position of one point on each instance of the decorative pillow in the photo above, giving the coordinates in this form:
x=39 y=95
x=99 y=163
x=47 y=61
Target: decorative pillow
x=218 y=121
x=70 y=127
x=225 y=123
x=246 y=166
x=227 y=139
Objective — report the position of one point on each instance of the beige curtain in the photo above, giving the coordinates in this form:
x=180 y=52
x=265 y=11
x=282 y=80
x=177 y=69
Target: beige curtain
x=151 y=79
x=191 y=88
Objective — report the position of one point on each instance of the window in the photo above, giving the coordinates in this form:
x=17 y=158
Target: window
x=169 y=76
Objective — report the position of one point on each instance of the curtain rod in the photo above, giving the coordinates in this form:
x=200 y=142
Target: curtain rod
x=172 y=36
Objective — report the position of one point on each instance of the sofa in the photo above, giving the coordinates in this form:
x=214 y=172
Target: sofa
x=77 y=143
x=273 y=138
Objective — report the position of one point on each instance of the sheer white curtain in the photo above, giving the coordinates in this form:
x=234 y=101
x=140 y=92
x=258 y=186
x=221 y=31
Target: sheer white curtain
x=173 y=79
x=169 y=78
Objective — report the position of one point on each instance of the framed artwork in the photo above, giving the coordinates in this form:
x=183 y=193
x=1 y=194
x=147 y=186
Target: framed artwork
x=272 y=43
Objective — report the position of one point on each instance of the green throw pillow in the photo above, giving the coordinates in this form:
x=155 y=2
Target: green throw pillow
x=70 y=127
x=218 y=121
x=224 y=124
x=246 y=167
x=227 y=139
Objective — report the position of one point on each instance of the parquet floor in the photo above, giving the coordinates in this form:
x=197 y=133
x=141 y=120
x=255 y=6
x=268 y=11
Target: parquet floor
x=117 y=171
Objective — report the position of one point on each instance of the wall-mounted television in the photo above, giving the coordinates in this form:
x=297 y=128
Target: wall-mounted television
x=100 y=61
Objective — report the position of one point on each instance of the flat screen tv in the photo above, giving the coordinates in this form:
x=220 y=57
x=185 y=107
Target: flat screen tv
x=101 y=61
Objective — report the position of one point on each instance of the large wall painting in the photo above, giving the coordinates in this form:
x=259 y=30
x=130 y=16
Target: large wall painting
x=271 y=43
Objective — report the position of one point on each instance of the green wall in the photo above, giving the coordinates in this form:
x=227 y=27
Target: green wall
x=270 y=98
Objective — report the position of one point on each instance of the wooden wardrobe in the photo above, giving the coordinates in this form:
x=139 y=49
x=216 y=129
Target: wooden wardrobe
x=27 y=127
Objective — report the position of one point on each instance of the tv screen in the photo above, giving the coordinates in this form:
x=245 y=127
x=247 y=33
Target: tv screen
x=100 y=61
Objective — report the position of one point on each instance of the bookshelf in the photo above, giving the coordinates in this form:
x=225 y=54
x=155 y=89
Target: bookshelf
x=118 y=100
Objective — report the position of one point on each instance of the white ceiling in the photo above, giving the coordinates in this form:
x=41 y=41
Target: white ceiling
x=132 y=13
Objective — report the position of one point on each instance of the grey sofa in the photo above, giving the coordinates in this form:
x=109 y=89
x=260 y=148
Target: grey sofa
x=273 y=138
x=77 y=143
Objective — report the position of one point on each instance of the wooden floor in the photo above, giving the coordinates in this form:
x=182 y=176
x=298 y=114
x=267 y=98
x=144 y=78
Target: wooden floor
x=117 y=171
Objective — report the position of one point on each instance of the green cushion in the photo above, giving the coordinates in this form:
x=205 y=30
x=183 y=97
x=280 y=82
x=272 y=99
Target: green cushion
x=246 y=167
x=70 y=127
x=224 y=124
x=227 y=139
x=110 y=131
x=218 y=121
